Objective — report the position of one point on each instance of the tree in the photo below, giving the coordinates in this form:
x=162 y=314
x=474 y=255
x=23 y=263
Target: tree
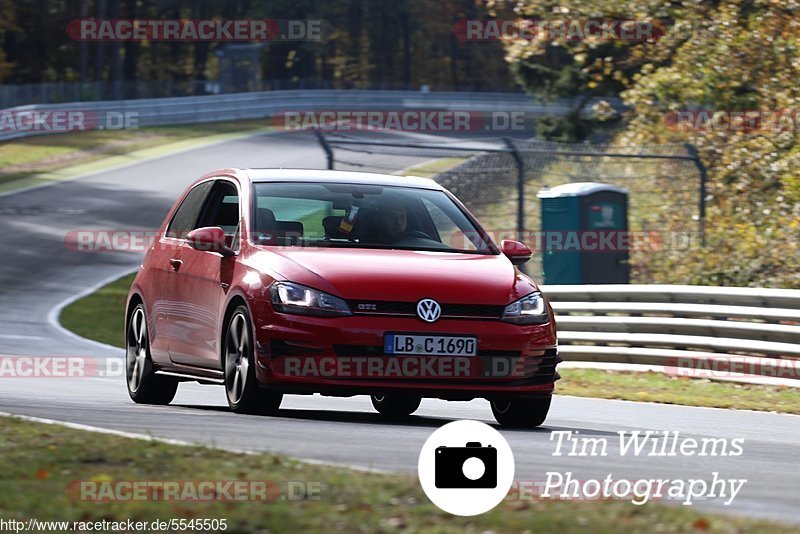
x=725 y=57
x=7 y=28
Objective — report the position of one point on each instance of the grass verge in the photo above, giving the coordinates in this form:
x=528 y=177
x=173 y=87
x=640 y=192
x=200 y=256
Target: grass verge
x=429 y=169
x=42 y=466
x=38 y=159
x=659 y=387
x=100 y=316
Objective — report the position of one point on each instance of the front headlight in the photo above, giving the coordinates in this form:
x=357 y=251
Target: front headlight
x=288 y=297
x=530 y=309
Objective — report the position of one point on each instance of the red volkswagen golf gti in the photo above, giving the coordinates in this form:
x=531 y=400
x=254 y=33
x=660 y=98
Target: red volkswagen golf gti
x=274 y=282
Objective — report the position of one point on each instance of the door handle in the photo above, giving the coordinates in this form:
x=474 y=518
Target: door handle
x=176 y=264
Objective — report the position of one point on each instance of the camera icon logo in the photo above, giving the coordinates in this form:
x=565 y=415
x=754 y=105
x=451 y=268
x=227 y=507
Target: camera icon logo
x=466 y=468
x=472 y=466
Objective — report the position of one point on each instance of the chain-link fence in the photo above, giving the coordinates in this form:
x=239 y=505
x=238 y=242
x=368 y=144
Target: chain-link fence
x=498 y=180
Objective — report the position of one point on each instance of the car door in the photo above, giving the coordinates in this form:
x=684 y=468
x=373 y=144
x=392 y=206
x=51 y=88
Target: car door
x=164 y=264
x=199 y=285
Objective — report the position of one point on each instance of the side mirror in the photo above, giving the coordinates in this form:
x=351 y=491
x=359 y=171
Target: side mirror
x=211 y=239
x=515 y=251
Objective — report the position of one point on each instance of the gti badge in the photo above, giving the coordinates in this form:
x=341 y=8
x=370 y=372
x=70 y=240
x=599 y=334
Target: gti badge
x=429 y=310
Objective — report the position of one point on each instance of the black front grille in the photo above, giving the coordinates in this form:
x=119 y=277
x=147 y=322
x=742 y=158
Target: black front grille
x=472 y=310
x=386 y=307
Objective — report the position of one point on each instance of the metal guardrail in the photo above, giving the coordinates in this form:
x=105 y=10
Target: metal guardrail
x=693 y=330
x=260 y=105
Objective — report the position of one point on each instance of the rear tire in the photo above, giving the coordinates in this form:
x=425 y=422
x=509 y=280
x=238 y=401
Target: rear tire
x=521 y=413
x=241 y=386
x=393 y=406
x=144 y=386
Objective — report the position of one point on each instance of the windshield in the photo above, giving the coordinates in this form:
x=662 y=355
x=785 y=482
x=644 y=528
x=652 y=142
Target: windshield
x=362 y=216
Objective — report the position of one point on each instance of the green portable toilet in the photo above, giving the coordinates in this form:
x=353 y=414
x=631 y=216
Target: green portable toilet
x=585 y=237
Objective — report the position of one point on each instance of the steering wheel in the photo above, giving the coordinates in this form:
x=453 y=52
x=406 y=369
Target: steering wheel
x=417 y=234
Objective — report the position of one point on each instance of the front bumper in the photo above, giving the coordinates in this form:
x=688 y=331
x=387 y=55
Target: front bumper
x=344 y=356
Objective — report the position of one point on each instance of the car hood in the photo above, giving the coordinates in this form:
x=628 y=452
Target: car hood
x=398 y=275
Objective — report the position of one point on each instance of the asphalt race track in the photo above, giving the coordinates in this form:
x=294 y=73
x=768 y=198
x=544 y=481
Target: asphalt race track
x=38 y=273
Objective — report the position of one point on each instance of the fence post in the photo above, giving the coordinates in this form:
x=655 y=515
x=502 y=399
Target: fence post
x=520 y=189
x=326 y=147
x=520 y=186
x=702 y=200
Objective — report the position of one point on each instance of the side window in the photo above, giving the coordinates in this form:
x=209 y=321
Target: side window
x=222 y=209
x=187 y=213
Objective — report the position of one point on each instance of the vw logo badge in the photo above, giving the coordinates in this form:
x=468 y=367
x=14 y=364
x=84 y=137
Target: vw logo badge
x=429 y=310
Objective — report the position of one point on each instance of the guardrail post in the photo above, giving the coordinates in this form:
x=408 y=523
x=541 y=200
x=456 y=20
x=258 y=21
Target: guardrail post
x=326 y=147
x=702 y=200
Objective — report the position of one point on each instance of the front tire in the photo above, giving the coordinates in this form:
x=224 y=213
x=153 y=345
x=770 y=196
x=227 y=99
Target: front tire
x=392 y=406
x=241 y=386
x=144 y=386
x=521 y=413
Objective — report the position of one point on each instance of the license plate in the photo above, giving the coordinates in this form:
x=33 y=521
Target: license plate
x=430 y=345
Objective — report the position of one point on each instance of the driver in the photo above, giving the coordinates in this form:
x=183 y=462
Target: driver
x=392 y=220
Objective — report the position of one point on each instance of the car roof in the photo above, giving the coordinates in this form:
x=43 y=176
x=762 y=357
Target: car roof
x=344 y=177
